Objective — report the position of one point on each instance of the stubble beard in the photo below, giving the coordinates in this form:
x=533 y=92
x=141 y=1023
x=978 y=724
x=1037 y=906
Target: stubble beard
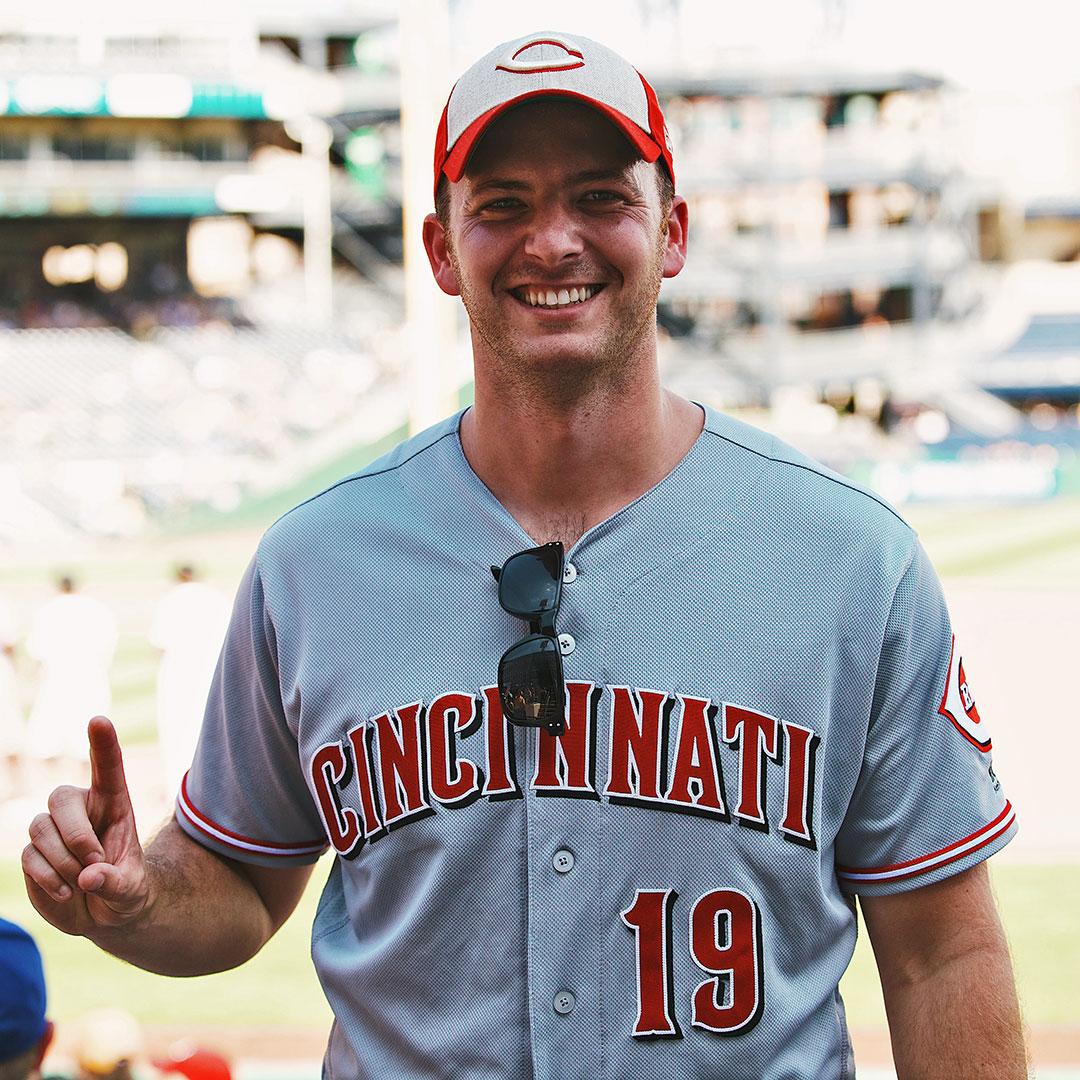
x=564 y=382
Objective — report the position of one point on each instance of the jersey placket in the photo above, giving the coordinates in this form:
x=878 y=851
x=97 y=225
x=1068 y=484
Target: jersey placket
x=564 y=866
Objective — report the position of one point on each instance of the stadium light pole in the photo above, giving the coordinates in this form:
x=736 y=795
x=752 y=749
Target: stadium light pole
x=315 y=138
x=430 y=319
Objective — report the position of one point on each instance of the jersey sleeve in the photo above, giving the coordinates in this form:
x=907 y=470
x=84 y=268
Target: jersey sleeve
x=927 y=803
x=245 y=795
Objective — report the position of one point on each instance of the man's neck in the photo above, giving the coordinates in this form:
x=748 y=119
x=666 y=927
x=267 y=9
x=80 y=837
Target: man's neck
x=561 y=469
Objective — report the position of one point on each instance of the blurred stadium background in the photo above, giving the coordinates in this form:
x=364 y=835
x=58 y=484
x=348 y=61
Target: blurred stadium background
x=212 y=304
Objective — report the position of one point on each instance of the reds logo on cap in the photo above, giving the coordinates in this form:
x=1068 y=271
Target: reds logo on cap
x=556 y=64
x=523 y=67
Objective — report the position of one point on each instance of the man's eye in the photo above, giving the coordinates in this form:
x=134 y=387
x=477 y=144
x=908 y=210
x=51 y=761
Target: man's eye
x=602 y=196
x=506 y=203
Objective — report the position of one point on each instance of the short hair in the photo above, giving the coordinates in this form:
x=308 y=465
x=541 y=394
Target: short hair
x=665 y=185
x=21 y=1066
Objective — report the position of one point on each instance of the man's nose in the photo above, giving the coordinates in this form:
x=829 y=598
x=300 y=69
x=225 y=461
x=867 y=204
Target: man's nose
x=553 y=234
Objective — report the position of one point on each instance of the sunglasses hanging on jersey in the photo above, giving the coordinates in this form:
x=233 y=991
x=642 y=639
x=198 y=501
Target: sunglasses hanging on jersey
x=531 y=684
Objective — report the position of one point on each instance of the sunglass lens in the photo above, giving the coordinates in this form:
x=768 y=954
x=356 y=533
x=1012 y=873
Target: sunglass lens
x=531 y=581
x=531 y=684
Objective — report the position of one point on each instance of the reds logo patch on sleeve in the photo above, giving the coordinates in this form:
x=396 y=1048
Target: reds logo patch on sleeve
x=958 y=704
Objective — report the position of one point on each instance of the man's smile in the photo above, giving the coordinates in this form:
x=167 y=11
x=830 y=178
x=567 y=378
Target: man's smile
x=548 y=297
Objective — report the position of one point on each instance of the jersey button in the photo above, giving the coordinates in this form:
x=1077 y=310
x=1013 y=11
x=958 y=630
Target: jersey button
x=564 y=1002
x=563 y=861
x=569 y=573
x=566 y=644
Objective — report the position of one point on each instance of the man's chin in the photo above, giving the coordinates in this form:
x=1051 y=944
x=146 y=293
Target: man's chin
x=564 y=376
x=562 y=361
x=571 y=348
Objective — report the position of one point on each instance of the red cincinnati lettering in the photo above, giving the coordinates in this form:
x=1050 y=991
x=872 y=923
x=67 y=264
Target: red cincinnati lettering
x=500 y=747
x=573 y=750
x=368 y=809
x=755 y=735
x=327 y=770
x=451 y=781
x=696 y=760
x=635 y=743
x=401 y=763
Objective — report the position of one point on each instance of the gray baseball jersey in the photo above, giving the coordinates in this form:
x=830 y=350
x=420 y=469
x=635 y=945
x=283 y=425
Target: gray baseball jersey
x=766 y=713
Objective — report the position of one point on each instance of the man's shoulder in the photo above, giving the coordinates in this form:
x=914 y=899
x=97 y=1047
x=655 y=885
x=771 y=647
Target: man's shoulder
x=792 y=481
x=368 y=493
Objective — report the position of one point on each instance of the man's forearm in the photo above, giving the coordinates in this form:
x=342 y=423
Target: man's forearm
x=959 y=1022
x=204 y=915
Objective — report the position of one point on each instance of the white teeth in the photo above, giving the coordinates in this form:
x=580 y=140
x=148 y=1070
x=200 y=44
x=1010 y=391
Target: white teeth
x=551 y=298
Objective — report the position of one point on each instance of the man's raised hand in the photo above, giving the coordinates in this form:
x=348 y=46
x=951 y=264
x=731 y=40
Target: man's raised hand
x=84 y=865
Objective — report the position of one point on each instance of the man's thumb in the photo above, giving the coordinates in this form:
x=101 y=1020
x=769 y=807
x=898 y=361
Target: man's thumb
x=112 y=886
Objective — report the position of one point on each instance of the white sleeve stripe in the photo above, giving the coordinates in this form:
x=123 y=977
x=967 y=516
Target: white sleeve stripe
x=223 y=836
x=977 y=840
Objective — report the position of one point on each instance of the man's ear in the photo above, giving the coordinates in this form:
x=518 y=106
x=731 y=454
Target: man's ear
x=44 y=1042
x=675 y=245
x=435 y=244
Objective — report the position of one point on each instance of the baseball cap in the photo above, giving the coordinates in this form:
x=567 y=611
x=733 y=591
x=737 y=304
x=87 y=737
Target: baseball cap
x=103 y=1039
x=549 y=63
x=194 y=1062
x=22 y=992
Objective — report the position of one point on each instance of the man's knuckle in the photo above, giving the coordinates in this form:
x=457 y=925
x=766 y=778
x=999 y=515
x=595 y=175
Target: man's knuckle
x=61 y=797
x=81 y=838
x=40 y=826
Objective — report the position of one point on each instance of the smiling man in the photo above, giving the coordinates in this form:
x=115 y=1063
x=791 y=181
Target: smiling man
x=608 y=705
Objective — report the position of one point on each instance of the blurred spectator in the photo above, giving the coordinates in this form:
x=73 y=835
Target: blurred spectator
x=73 y=637
x=194 y=1063
x=11 y=718
x=25 y=1032
x=106 y=1045
x=189 y=627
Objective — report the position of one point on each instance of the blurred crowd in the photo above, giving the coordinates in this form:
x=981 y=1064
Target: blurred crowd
x=136 y=316
x=106 y=430
x=162 y=299
x=70 y=641
x=102 y=1044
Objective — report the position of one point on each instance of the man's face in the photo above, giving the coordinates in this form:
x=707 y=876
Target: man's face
x=557 y=241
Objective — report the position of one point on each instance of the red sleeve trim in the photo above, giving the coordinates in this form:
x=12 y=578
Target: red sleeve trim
x=236 y=840
x=913 y=867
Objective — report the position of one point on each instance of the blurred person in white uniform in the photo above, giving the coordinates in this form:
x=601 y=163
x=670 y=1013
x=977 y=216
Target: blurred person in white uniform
x=12 y=728
x=189 y=626
x=73 y=637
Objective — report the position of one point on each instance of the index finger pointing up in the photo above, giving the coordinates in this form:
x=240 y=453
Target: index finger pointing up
x=106 y=760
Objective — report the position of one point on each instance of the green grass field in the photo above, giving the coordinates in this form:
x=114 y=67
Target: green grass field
x=279 y=989
x=1038 y=544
